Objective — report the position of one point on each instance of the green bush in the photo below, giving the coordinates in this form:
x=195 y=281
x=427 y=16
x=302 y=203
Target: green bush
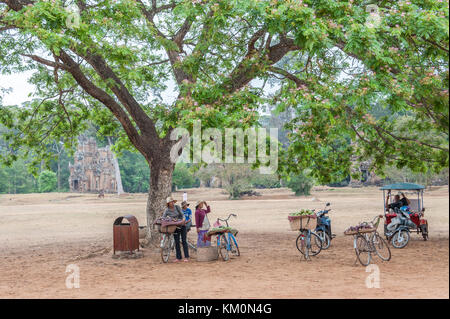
x=300 y=184
x=236 y=189
x=16 y=179
x=47 y=182
x=265 y=181
x=183 y=178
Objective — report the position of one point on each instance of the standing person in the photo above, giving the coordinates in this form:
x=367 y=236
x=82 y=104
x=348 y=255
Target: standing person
x=175 y=211
x=187 y=215
x=202 y=223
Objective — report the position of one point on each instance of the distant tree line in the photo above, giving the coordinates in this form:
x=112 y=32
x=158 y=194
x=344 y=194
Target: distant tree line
x=236 y=179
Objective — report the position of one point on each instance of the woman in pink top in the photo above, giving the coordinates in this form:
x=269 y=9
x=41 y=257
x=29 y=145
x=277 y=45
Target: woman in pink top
x=202 y=223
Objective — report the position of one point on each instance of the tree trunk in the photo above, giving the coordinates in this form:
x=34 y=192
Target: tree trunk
x=161 y=170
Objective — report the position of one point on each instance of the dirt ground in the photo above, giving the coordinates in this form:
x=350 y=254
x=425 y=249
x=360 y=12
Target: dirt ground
x=43 y=233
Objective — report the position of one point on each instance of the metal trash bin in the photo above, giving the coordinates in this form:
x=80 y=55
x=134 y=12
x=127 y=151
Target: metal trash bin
x=126 y=235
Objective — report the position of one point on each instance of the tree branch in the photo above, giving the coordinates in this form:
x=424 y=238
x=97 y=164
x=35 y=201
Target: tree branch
x=143 y=121
x=97 y=93
x=288 y=75
x=245 y=72
x=379 y=128
x=180 y=35
x=52 y=64
x=436 y=45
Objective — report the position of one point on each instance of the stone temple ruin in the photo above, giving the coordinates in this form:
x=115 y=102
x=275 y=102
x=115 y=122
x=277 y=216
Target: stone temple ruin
x=93 y=168
x=367 y=176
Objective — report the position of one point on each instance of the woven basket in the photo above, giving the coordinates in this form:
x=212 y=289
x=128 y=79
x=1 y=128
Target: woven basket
x=209 y=253
x=303 y=222
x=361 y=231
x=212 y=233
x=167 y=229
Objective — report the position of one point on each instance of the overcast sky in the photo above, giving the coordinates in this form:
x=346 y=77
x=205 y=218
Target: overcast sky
x=20 y=88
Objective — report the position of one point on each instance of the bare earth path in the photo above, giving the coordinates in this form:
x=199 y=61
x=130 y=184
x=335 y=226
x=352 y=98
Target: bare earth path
x=42 y=234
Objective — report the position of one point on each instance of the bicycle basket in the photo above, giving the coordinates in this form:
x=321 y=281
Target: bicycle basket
x=303 y=222
x=167 y=229
x=218 y=230
x=350 y=232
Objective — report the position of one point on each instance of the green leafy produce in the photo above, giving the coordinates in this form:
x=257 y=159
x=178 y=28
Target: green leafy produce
x=303 y=212
x=219 y=230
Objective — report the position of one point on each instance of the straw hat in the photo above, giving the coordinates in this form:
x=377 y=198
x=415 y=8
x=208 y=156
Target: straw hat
x=199 y=202
x=184 y=203
x=170 y=199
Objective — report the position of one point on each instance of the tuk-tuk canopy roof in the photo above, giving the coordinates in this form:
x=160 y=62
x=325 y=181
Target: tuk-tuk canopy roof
x=403 y=186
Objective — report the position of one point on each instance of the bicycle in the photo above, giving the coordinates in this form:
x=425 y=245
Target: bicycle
x=226 y=244
x=168 y=245
x=367 y=243
x=304 y=243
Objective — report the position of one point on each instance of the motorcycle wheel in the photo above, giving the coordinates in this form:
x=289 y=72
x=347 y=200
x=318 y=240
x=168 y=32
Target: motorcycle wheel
x=400 y=239
x=325 y=238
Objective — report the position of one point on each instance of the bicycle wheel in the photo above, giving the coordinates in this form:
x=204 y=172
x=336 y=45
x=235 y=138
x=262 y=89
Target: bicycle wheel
x=325 y=238
x=315 y=244
x=381 y=247
x=223 y=247
x=362 y=250
x=166 y=247
x=400 y=239
x=233 y=245
x=301 y=243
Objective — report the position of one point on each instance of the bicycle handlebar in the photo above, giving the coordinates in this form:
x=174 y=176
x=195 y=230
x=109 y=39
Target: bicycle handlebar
x=224 y=220
x=375 y=224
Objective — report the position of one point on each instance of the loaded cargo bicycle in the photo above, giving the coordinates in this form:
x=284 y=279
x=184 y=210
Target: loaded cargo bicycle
x=367 y=241
x=166 y=227
x=308 y=242
x=226 y=238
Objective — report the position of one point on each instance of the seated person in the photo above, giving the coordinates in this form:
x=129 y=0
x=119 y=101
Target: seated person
x=398 y=202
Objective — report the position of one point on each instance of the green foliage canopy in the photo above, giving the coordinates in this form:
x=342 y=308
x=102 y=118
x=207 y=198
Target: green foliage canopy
x=47 y=182
x=301 y=184
x=331 y=65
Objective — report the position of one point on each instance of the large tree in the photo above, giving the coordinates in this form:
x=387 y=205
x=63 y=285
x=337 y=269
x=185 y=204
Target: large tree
x=329 y=63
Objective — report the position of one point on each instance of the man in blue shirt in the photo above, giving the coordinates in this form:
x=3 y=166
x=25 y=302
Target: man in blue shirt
x=187 y=214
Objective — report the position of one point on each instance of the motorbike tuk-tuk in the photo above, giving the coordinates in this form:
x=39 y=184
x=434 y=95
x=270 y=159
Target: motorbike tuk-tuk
x=415 y=210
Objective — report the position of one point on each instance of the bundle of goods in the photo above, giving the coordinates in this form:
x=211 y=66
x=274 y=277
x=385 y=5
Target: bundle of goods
x=168 y=224
x=304 y=219
x=361 y=228
x=221 y=229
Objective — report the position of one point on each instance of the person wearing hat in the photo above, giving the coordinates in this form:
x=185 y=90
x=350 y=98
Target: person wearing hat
x=174 y=211
x=202 y=223
x=187 y=214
